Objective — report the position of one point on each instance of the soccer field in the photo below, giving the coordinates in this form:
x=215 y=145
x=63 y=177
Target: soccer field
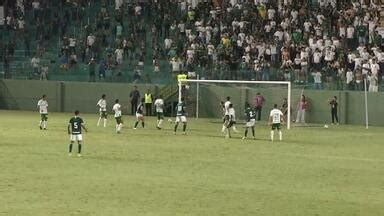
x=313 y=171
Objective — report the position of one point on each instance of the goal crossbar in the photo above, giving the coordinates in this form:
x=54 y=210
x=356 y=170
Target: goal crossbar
x=197 y=81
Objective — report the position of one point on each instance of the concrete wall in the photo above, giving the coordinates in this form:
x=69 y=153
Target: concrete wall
x=68 y=96
x=351 y=104
x=64 y=96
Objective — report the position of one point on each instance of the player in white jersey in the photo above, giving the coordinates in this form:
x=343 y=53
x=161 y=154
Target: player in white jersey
x=226 y=116
x=102 y=104
x=276 y=117
x=159 y=106
x=230 y=123
x=117 y=110
x=42 y=106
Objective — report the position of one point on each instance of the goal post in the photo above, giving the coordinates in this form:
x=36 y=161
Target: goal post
x=197 y=81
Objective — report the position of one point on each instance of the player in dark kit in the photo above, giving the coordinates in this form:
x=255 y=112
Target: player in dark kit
x=139 y=114
x=74 y=130
x=334 y=104
x=180 y=116
x=250 y=117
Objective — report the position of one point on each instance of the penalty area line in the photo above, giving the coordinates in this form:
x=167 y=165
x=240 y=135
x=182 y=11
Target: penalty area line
x=312 y=156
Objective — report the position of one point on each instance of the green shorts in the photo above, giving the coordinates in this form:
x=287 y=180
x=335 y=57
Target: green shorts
x=160 y=115
x=119 y=120
x=276 y=126
x=44 y=117
x=103 y=114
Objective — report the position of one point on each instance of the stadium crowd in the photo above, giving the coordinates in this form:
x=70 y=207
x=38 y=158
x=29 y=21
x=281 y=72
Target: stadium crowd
x=329 y=44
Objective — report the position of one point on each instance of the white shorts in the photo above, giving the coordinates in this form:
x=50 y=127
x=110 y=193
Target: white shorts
x=250 y=123
x=181 y=118
x=138 y=115
x=76 y=137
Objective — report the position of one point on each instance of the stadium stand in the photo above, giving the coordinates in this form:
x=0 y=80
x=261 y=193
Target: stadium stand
x=319 y=44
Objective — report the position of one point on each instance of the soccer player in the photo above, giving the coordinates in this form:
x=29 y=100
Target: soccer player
x=102 y=104
x=42 y=105
x=227 y=117
x=159 y=105
x=139 y=114
x=230 y=123
x=250 y=115
x=74 y=130
x=117 y=110
x=180 y=116
x=276 y=117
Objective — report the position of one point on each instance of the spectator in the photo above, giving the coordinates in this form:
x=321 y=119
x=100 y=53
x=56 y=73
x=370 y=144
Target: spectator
x=317 y=80
x=92 y=70
x=44 y=72
x=301 y=108
x=137 y=75
x=102 y=69
x=373 y=83
x=35 y=62
x=259 y=101
x=119 y=55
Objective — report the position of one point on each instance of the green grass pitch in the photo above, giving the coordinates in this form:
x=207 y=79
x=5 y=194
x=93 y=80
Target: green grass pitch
x=313 y=171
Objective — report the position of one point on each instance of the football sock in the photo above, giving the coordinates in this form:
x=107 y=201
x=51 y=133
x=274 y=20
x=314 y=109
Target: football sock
x=142 y=124
x=44 y=124
x=253 y=131
x=229 y=132
x=136 y=123
x=272 y=133
x=177 y=124
x=160 y=122
x=120 y=126
x=70 y=147
x=105 y=122
x=223 y=128
x=184 y=127
x=157 y=122
x=40 y=123
x=246 y=132
x=281 y=135
x=98 y=121
x=79 y=148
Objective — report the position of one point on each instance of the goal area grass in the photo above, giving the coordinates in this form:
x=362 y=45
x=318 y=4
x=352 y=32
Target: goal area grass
x=313 y=171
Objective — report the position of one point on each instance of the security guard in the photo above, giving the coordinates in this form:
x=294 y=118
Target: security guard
x=182 y=76
x=148 y=102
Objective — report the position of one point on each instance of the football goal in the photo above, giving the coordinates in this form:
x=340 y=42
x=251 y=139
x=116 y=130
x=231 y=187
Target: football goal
x=234 y=85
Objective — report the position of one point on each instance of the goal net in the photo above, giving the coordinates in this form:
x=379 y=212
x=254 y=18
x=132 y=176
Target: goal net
x=203 y=97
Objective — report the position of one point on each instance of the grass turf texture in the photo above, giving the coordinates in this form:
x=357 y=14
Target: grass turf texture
x=313 y=171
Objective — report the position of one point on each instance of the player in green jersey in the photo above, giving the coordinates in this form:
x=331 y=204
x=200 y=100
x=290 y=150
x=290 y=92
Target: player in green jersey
x=180 y=116
x=74 y=130
x=140 y=114
x=250 y=117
